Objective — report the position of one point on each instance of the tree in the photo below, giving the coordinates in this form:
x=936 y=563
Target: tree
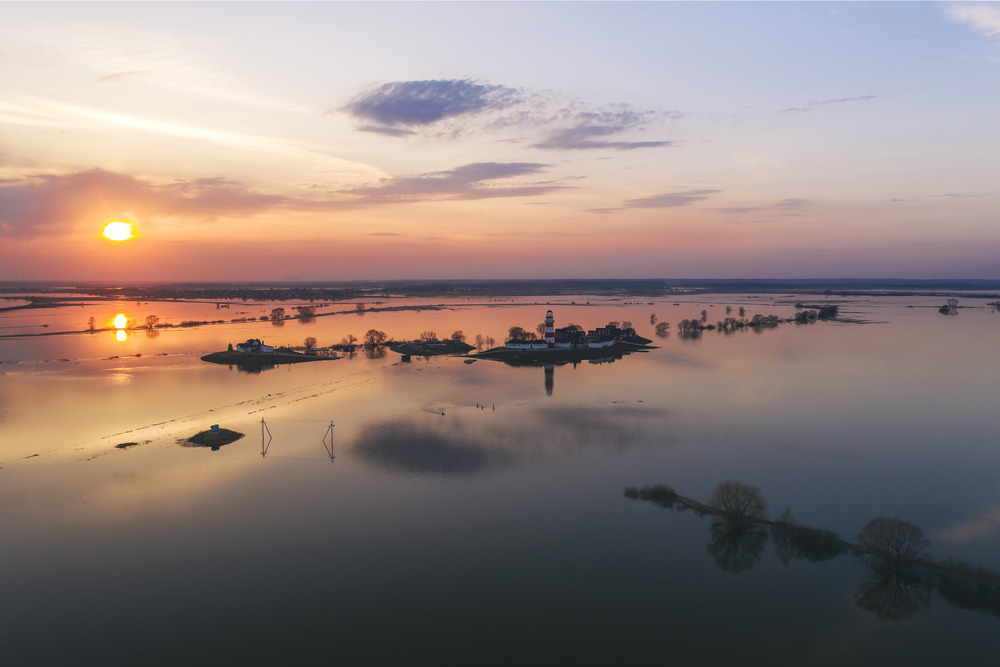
x=306 y=313
x=517 y=333
x=738 y=501
x=310 y=342
x=704 y=315
x=540 y=328
x=480 y=342
x=374 y=338
x=652 y=318
x=458 y=336
x=277 y=314
x=661 y=329
x=428 y=336
x=151 y=321
x=626 y=325
x=491 y=342
x=894 y=539
x=360 y=309
x=91 y=324
x=348 y=340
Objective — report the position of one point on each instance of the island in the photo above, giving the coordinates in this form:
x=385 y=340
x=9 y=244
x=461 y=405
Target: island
x=568 y=344
x=254 y=354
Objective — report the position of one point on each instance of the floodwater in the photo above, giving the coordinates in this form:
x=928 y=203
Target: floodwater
x=476 y=513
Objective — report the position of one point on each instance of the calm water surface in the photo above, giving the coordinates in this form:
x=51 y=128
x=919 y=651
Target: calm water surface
x=434 y=530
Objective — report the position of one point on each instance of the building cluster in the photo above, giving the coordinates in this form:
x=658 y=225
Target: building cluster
x=253 y=346
x=571 y=337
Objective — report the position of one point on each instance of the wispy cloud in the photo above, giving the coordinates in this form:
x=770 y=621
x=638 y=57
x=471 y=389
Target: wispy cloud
x=40 y=112
x=783 y=205
x=467 y=182
x=670 y=199
x=819 y=103
x=592 y=125
x=56 y=203
x=453 y=107
x=985 y=524
x=50 y=203
x=983 y=17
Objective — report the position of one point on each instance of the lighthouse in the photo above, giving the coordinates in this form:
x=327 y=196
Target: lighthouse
x=550 y=329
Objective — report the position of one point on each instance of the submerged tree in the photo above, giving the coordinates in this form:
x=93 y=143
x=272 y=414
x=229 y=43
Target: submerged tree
x=893 y=539
x=375 y=338
x=738 y=501
x=152 y=321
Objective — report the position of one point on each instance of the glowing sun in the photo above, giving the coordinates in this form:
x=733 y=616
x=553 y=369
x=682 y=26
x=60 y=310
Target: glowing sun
x=119 y=231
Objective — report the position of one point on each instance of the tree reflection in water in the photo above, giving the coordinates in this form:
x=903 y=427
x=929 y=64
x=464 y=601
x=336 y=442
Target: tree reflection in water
x=795 y=542
x=738 y=536
x=894 y=590
x=736 y=546
x=897 y=585
x=900 y=579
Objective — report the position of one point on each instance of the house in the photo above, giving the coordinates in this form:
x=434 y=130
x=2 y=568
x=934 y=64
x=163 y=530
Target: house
x=253 y=346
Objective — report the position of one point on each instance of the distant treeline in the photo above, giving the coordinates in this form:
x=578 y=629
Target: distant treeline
x=342 y=290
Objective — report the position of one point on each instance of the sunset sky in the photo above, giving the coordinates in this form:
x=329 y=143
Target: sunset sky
x=342 y=141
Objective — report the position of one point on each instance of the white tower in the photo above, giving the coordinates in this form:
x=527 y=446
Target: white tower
x=550 y=329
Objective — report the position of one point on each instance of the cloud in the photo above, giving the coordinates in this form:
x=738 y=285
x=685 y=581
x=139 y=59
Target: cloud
x=984 y=524
x=467 y=182
x=458 y=106
x=784 y=204
x=842 y=100
x=54 y=203
x=51 y=203
x=984 y=18
x=117 y=77
x=580 y=138
x=388 y=131
x=383 y=234
x=670 y=200
x=425 y=102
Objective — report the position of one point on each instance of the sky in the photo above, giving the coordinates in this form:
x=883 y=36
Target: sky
x=259 y=141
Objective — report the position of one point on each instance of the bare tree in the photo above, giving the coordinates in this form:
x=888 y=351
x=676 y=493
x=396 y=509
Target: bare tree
x=480 y=342
x=738 y=501
x=91 y=324
x=428 y=336
x=151 y=321
x=348 y=340
x=491 y=342
x=375 y=338
x=310 y=342
x=892 y=538
x=458 y=335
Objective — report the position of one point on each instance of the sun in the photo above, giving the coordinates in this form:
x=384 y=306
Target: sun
x=119 y=231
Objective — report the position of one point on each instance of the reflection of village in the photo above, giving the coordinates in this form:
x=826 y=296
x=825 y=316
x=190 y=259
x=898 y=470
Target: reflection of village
x=900 y=577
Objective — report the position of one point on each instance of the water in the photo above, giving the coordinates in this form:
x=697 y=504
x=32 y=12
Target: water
x=491 y=535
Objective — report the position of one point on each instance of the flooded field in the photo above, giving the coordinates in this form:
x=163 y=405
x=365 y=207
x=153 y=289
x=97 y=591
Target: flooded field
x=479 y=512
